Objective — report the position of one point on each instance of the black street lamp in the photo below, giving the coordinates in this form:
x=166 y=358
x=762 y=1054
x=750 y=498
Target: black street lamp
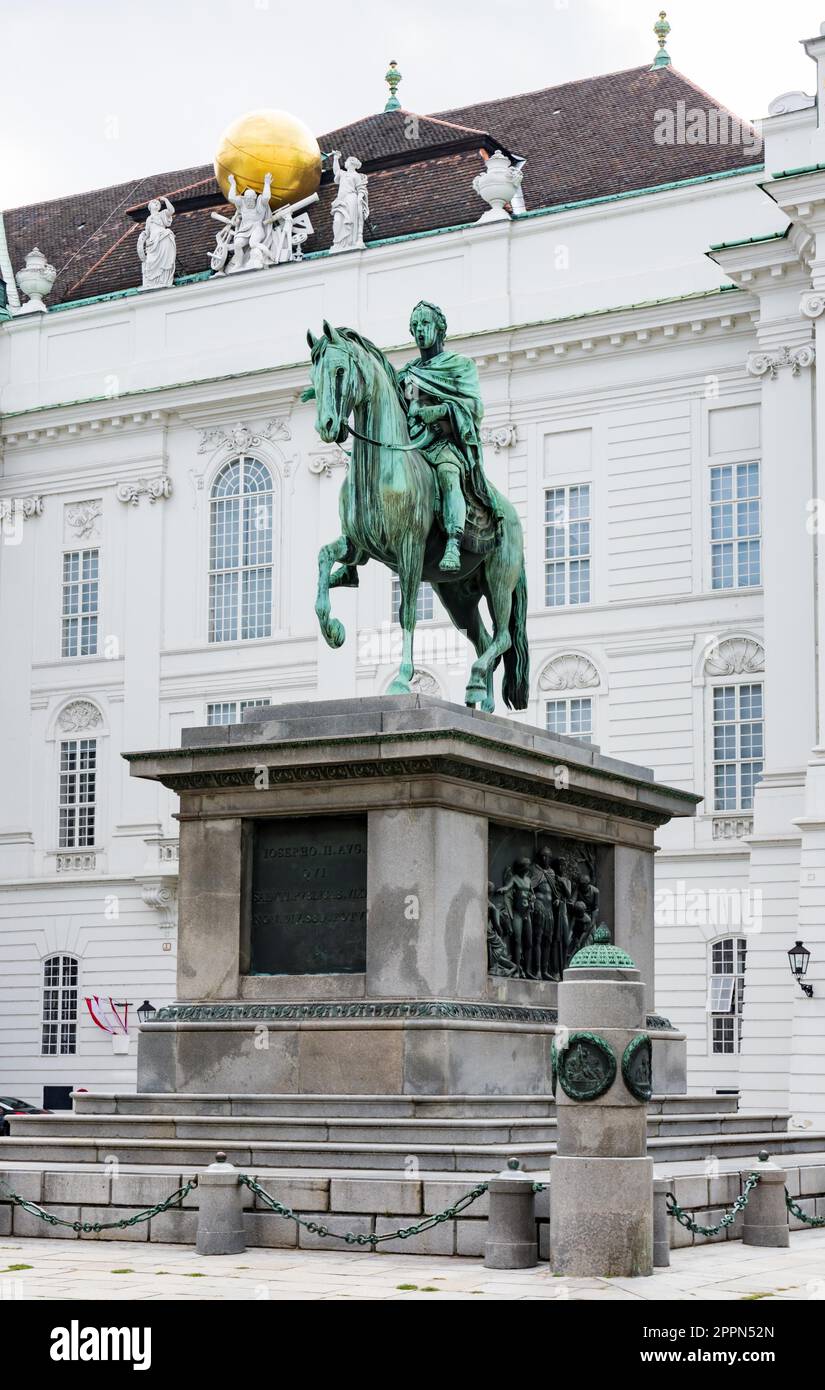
x=146 y=1012
x=798 y=958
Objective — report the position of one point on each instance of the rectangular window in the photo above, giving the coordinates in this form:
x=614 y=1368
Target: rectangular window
x=81 y=583
x=59 y=1024
x=423 y=603
x=573 y=717
x=738 y=752
x=230 y=711
x=735 y=526
x=78 y=770
x=727 y=993
x=567 y=545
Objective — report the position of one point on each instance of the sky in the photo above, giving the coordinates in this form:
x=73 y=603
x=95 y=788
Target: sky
x=96 y=92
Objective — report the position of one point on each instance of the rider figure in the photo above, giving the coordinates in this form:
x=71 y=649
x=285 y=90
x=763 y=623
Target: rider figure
x=444 y=411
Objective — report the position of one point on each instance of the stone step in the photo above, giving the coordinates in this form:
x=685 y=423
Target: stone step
x=484 y=1158
x=390 y=1106
x=362 y=1130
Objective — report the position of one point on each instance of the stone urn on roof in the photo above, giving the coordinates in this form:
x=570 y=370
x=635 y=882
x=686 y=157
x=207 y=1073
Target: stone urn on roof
x=497 y=184
x=35 y=280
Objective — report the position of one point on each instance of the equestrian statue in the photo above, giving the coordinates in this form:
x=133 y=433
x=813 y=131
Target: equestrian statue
x=416 y=497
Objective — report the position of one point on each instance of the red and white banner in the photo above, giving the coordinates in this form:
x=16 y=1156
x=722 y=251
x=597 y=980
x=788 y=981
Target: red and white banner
x=111 y=1017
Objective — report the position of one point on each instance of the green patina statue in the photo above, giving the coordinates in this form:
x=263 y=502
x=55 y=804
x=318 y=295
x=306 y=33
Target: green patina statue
x=416 y=497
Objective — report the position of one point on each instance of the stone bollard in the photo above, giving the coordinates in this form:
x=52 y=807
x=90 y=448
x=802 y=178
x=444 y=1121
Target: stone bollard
x=220 y=1210
x=511 y=1227
x=661 y=1223
x=766 y=1215
x=601 y=1215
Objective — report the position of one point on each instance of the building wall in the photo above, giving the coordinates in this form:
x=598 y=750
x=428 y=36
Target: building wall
x=637 y=402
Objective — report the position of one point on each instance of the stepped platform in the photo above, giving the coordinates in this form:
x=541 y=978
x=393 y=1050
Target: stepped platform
x=473 y=1134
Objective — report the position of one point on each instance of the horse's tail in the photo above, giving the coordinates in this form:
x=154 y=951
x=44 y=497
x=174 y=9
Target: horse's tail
x=516 y=684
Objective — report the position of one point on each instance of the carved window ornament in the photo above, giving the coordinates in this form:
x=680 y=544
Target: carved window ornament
x=570 y=671
x=79 y=716
x=735 y=656
x=153 y=488
x=240 y=437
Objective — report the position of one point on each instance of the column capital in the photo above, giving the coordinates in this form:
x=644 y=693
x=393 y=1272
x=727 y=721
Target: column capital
x=768 y=364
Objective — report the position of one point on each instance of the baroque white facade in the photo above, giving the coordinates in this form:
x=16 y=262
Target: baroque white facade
x=652 y=408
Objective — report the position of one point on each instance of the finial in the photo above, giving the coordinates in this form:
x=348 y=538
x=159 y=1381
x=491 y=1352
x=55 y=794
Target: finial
x=661 y=29
x=392 y=77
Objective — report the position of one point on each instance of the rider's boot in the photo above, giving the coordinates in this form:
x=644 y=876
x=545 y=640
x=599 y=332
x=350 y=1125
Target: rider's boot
x=451 y=559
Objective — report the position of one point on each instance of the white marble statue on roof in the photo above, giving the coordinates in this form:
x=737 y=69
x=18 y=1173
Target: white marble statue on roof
x=255 y=237
x=156 y=246
x=351 y=206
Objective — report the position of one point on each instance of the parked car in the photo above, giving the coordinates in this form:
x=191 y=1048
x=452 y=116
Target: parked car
x=10 y=1106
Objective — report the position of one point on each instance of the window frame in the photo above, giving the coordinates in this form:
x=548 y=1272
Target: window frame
x=59 y=1022
x=734 y=464
x=737 y=977
x=567 y=559
x=77 y=617
x=568 y=700
x=240 y=569
x=79 y=804
x=737 y=684
x=238 y=707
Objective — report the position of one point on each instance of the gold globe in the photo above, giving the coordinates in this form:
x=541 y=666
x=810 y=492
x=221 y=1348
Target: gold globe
x=270 y=142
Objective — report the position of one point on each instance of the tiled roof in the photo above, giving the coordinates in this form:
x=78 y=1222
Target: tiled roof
x=584 y=139
x=595 y=137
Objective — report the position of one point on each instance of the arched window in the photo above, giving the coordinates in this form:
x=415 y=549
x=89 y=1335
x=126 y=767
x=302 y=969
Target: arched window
x=240 y=552
x=59 y=1036
x=727 y=991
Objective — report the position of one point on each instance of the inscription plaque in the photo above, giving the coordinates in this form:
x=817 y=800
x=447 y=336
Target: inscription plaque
x=308 y=896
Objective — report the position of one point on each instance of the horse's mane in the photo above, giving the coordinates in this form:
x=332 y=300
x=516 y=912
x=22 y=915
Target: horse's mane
x=352 y=336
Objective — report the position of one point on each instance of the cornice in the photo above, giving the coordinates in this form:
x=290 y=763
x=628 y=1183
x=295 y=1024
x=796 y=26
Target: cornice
x=212 y=401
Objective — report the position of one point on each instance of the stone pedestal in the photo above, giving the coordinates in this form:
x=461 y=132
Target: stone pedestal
x=601 y=1182
x=333 y=900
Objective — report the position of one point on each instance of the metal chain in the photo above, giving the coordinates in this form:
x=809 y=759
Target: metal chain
x=728 y=1219
x=796 y=1210
x=88 y=1227
x=351 y=1237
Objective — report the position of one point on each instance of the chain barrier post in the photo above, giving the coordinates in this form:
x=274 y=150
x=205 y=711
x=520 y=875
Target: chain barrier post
x=766 y=1216
x=601 y=1179
x=511 y=1226
x=661 y=1232
x=220 y=1210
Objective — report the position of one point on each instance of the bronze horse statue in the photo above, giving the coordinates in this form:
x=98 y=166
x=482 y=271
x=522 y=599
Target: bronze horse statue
x=389 y=510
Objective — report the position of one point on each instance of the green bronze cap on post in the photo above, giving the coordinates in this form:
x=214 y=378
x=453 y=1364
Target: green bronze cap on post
x=392 y=77
x=602 y=955
x=661 y=29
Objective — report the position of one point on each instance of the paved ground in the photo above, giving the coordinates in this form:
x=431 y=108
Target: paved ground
x=115 y=1270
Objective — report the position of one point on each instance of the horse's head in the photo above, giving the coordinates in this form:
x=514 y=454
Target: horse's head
x=337 y=383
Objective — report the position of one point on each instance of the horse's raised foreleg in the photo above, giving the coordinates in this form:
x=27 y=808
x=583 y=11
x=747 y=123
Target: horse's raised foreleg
x=410 y=565
x=339 y=551
x=346 y=576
